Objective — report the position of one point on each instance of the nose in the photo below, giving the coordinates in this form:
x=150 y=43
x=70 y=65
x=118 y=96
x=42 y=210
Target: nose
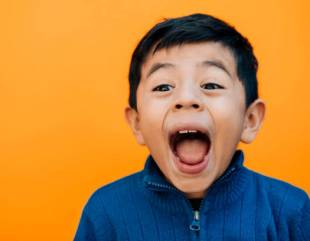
x=188 y=99
x=180 y=106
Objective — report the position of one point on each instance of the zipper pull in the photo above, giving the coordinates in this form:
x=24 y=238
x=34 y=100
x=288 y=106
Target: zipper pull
x=195 y=225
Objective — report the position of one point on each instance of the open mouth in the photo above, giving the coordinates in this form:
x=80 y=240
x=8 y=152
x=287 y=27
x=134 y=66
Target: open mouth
x=190 y=148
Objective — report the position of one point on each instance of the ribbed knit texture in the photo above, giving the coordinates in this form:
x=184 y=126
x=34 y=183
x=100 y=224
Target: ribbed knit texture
x=240 y=205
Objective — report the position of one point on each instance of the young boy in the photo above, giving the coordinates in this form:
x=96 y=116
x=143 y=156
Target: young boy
x=193 y=98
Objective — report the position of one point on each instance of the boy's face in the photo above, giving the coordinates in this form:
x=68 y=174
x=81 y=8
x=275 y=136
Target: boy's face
x=191 y=113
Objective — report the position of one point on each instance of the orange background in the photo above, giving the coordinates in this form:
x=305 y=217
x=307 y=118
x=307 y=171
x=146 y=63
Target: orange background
x=63 y=88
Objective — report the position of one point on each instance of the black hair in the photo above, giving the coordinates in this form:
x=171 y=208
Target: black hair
x=196 y=28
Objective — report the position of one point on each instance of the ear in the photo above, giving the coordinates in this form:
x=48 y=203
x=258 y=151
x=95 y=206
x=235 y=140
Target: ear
x=132 y=118
x=254 y=117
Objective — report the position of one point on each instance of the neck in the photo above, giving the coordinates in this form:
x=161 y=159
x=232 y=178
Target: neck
x=195 y=195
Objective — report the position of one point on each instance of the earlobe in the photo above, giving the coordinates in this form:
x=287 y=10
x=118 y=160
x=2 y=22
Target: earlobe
x=253 y=120
x=132 y=118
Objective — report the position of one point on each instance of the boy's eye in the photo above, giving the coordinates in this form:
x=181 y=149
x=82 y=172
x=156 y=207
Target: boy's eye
x=163 y=87
x=211 y=86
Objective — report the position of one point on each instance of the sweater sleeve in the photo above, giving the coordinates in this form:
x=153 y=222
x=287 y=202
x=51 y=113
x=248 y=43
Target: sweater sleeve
x=95 y=224
x=305 y=221
x=85 y=231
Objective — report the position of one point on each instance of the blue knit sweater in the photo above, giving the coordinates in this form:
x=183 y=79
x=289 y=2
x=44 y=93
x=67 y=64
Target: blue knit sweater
x=240 y=205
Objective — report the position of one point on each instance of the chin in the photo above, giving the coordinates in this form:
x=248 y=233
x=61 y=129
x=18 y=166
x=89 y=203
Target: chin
x=189 y=185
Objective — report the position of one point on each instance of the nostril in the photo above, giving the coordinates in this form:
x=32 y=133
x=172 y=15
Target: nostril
x=178 y=106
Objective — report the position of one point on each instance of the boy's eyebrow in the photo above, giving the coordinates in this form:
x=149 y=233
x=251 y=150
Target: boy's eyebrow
x=158 y=66
x=216 y=63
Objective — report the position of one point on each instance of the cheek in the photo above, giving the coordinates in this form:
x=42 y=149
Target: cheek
x=152 y=109
x=228 y=122
x=151 y=121
x=228 y=118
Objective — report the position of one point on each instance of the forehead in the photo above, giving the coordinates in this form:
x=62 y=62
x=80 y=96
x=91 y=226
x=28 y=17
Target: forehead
x=189 y=55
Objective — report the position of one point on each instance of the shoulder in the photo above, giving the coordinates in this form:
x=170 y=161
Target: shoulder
x=280 y=191
x=289 y=204
x=97 y=219
x=114 y=192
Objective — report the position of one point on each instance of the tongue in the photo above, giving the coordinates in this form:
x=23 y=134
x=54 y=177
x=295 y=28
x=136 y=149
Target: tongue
x=191 y=151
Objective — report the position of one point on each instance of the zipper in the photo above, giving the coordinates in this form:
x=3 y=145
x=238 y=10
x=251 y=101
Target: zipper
x=195 y=225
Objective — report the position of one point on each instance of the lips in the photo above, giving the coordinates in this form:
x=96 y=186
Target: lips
x=190 y=147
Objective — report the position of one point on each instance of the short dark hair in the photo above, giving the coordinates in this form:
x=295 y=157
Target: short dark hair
x=196 y=28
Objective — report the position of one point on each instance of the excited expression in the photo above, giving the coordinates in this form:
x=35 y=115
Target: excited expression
x=191 y=113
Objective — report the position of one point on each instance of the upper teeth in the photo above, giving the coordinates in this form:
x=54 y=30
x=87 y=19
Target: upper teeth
x=187 y=131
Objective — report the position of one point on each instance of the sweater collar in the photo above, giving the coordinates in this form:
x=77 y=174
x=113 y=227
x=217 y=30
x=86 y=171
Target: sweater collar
x=226 y=188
